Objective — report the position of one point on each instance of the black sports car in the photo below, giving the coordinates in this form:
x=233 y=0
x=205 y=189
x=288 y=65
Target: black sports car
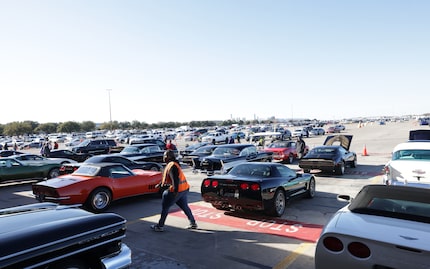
x=68 y=154
x=112 y=158
x=330 y=158
x=257 y=186
x=195 y=156
x=143 y=152
x=226 y=156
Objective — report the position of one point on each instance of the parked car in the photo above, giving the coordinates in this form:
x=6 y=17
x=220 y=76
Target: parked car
x=46 y=235
x=7 y=153
x=333 y=129
x=226 y=156
x=96 y=185
x=190 y=148
x=11 y=169
x=37 y=159
x=30 y=145
x=410 y=163
x=284 y=151
x=257 y=186
x=303 y=132
x=217 y=137
x=382 y=227
x=143 y=152
x=329 y=157
x=97 y=146
x=194 y=158
x=112 y=158
x=317 y=131
x=68 y=154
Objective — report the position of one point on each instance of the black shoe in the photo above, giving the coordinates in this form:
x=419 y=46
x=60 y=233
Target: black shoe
x=157 y=228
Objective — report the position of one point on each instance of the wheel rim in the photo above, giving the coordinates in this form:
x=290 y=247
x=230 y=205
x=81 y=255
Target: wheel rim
x=54 y=173
x=101 y=200
x=154 y=168
x=280 y=203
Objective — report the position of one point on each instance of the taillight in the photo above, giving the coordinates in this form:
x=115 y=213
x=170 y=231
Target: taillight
x=255 y=187
x=387 y=170
x=244 y=186
x=247 y=186
x=359 y=250
x=206 y=183
x=215 y=183
x=333 y=244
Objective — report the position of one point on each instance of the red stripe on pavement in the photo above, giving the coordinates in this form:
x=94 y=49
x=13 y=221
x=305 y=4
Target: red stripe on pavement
x=259 y=224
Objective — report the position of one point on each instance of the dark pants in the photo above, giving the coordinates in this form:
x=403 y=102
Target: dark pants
x=169 y=199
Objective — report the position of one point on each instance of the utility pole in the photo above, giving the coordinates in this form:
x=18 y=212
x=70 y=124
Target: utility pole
x=110 y=109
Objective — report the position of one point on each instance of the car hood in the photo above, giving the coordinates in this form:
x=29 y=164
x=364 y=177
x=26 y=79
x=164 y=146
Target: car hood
x=344 y=140
x=375 y=228
x=410 y=171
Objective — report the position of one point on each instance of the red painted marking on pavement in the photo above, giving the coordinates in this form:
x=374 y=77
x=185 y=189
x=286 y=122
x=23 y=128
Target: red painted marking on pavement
x=275 y=226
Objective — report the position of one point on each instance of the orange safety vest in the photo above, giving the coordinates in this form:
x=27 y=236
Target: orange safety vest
x=183 y=184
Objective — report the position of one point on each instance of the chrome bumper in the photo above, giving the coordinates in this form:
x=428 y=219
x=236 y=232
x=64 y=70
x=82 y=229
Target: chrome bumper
x=121 y=260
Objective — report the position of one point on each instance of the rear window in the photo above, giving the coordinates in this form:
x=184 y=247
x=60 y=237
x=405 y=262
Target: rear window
x=411 y=154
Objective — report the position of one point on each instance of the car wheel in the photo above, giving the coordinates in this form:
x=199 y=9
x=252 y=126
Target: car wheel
x=54 y=172
x=99 y=199
x=154 y=168
x=311 y=188
x=340 y=170
x=278 y=204
x=354 y=163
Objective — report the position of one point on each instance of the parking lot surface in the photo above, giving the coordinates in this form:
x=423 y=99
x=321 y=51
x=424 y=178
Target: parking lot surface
x=235 y=239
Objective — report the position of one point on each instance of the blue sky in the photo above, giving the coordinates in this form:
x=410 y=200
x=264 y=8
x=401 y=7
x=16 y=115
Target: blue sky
x=212 y=60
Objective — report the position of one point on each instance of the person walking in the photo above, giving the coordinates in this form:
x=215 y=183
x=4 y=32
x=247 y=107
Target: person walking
x=176 y=192
x=300 y=147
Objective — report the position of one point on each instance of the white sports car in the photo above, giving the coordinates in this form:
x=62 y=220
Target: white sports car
x=386 y=227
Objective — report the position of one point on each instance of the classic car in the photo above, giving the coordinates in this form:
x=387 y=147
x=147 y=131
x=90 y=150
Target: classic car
x=317 y=131
x=410 y=163
x=35 y=159
x=284 y=151
x=225 y=156
x=46 y=235
x=330 y=158
x=97 y=146
x=194 y=157
x=11 y=169
x=257 y=186
x=143 y=152
x=96 y=185
x=68 y=154
x=382 y=227
x=190 y=148
x=7 y=153
x=333 y=129
x=112 y=158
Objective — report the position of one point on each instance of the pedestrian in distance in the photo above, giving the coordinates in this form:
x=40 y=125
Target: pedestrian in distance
x=15 y=147
x=176 y=190
x=300 y=147
x=231 y=141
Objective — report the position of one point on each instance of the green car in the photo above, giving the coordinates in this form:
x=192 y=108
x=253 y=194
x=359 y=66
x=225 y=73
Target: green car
x=11 y=168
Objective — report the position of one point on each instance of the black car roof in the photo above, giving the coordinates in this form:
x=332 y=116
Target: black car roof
x=238 y=146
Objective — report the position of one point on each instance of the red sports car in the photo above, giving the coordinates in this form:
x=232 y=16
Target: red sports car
x=96 y=185
x=284 y=151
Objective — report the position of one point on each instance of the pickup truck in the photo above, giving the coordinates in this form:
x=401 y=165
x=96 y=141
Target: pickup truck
x=224 y=157
x=218 y=137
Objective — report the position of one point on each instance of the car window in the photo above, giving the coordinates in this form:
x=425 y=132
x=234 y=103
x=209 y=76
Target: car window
x=118 y=172
x=285 y=171
x=411 y=154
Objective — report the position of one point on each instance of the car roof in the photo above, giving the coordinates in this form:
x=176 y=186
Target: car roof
x=240 y=146
x=412 y=145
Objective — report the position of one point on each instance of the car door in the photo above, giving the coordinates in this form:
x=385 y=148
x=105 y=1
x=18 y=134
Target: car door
x=292 y=181
x=125 y=183
x=13 y=169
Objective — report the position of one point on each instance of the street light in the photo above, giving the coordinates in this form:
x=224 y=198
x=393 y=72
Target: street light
x=110 y=109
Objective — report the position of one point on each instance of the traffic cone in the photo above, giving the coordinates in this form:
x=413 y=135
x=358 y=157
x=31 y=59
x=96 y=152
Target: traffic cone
x=365 y=151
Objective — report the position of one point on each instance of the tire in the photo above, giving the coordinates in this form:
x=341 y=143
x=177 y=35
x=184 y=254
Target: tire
x=340 y=170
x=278 y=205
x=54 y=172
x=311 y=188
x=354 y=163
x=70 y=264
x=99 y=200
x=154 y=168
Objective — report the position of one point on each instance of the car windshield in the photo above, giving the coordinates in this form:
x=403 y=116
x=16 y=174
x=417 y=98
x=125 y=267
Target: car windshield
x=130 y=150
x=227 y=151
x=411 y=154
x=399 y=202
x=84 y=143
x=251 y=170
x=87 y=170
x=278 y=145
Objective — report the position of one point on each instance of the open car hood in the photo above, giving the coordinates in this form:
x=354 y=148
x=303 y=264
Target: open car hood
x=343 y=140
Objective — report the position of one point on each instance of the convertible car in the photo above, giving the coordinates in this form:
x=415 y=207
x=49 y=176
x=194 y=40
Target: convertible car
x=11 y=168
x=46 y=235
x=257 y=186
x=112 y=158
x=329 y=157
x=37 y=159
x=382 y=227
x=96 y=185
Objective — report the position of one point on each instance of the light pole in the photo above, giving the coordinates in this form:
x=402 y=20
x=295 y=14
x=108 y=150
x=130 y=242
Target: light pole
x=110 y=109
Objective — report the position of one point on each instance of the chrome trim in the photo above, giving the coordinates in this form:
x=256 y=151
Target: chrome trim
x=121 y=259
